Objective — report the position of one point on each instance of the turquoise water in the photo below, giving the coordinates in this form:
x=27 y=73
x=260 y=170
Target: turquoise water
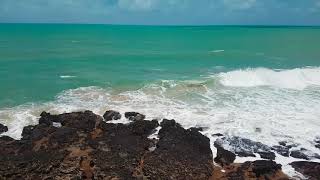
x=232 y=80
x=34 y=57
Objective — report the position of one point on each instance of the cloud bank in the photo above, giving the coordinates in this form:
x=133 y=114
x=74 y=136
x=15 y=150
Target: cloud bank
x=197 y=12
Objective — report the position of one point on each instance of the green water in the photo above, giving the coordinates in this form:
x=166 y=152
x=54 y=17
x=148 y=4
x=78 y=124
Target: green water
x=34 y=58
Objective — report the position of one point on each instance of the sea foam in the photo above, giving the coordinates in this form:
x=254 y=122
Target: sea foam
x=299 y=78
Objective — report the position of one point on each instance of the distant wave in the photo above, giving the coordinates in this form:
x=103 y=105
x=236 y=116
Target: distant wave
x=67 y=77
x=217 y=51
x=298 y=78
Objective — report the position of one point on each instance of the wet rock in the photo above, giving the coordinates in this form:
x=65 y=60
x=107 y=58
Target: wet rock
x=299 y=154
x=282 y=150
x=262 y=169
x=180 y=154
x=3 y=128
x=134 y=116
x=317 y=142
x=267 y=155
x=86 y=147
x=224 y=157
x=111 y=115
x=143 y=127
x=198 y=128
x=310 y=170
x=246 y=148
x=6 y=138
x=217 y=135
x=303 y=153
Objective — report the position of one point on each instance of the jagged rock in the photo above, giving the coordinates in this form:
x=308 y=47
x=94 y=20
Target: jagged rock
x=3 y=128
x=198 y=128
x=299 y=154
x=180 y=154
x=282 y=150
x=265 y=167
x=303 y=153
x=224 y=157
x=111 y=115
x=261 y=169
x=267 y=155
x=217 y=135
x=309 y=169
x=134 y=116
x=246 y=148
x=317 y=142
x=86 y=147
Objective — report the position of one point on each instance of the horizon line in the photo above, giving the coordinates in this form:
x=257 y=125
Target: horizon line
x=164 y=25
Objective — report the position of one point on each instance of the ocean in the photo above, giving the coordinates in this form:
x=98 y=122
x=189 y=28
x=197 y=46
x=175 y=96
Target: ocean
x=256 y=82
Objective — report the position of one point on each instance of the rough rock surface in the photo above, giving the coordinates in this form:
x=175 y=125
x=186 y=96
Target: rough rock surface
x=86 y=147
x=224 y=157
x=3 y=128
x=111 y=115
x=134 y=116
x=187 y=151
x=311 y=170
x=246 y=148
x=261 y=169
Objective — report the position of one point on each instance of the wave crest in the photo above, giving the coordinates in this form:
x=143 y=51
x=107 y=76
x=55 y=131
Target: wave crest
x=298 y=78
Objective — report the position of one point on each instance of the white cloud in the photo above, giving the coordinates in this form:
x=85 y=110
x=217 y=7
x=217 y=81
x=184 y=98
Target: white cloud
x=239 y=4
x=145 y=5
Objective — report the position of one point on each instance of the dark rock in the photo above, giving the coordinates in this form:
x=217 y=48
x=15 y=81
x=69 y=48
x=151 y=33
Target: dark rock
x=299 y=154
x=282 y=150
x=317 y=142
x=262 y=168
x=111 y=115
x=6 y=138
x=86 y=147
x=180 y=154
x=3 y=128
x=224 y=157
x=309 y=169
x=246 y=148
x=134 y=116
x=267 y=155
x=143 y=127
x=46 y=121
x=217 y=135
x=198 y=128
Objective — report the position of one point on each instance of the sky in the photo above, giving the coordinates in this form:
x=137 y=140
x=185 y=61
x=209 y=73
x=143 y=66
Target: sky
x=163 y=12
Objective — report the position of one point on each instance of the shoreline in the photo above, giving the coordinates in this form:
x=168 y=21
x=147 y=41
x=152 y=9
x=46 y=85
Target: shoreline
x=89 y=146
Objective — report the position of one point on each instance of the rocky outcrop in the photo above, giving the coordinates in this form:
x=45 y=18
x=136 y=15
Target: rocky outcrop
x=134 y=116
x=311 y=170
x=179 y=154
x=3 y=128
x=246 y=148
x=84 y=146
x=261 y=169
x=224 y=157
x=111 y=115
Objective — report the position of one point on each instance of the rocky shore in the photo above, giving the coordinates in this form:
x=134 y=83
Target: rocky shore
x=83 y=145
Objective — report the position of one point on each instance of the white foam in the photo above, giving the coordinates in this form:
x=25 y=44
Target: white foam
x=292 y=79
x=282 y=114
